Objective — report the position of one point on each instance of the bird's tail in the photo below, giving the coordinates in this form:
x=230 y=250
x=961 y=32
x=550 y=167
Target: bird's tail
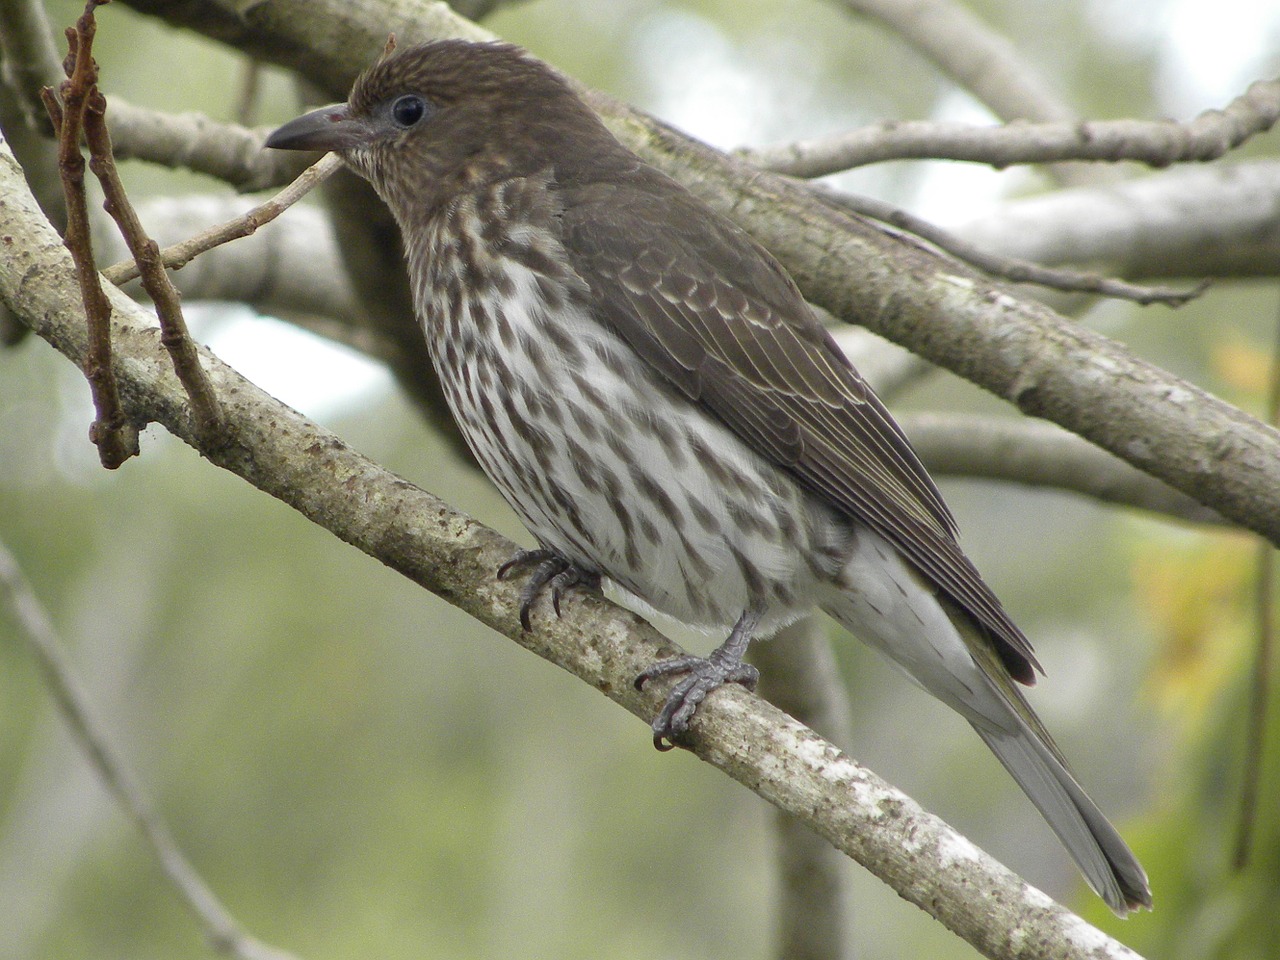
x=890 y=606
x=1106 y=861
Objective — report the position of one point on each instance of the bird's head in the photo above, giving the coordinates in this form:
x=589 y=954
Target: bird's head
x=427 y=122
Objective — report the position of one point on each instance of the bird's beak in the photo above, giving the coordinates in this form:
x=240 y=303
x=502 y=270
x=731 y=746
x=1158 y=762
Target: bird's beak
x=329 y=128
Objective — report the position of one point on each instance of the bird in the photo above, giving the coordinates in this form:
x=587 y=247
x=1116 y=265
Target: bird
x=649 y=390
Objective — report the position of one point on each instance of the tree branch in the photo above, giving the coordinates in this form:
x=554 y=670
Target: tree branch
x=1041 y=455
x=178 y=255
x=115 y=437
x=283 y=454
x=972 y=54
x=1158 y=143
x=1221 y=221
x=36 y=628
x=979 y=60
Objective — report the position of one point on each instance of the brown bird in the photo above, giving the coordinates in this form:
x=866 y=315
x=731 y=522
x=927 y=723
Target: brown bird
x=650 y=392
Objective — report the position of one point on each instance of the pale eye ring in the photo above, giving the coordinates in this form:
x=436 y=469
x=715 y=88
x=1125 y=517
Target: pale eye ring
x=408 y=110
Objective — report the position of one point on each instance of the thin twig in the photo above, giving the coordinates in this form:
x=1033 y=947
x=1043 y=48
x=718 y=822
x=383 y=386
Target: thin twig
x=977 y=57
x=1009 y=268
x=1158 y=143
x=36 y=627
x=1260 y=692
x=180 y=254
x=247 y=97
x=980 y=60
x=205 y=407
x=115 y=437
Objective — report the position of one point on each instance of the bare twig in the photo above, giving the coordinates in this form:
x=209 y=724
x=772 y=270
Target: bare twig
x=115 y=436
x=1010 y=268
x=1158 y=143
x=36 y=628
x=180 y=254
x=205 y=406
x=247 y=96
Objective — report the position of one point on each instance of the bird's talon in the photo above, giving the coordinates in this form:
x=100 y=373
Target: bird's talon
x=551 y=570
x=703 y=676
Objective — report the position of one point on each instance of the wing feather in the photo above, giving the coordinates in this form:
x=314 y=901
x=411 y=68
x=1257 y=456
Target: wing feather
x=715 y=314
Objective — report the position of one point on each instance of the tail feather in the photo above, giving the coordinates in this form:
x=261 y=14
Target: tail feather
x=886 y=603
x=1107 y=863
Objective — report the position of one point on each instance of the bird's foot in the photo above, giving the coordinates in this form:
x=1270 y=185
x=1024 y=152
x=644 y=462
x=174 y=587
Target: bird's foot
x=549 y=570
x=704 y=674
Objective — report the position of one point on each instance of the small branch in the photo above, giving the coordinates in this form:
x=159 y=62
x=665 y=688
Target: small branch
x=799 y=675
x=1010 y=268
x=247 y=96
x=1158 y=143
x=980 y=60
x=205 y=407
x=36 y=628
x=971 y=53
x=178 y=255
x=115 y=437
x=28 y=56
x=1041 y=455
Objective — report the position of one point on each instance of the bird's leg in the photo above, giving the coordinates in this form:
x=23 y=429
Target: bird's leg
x=704 y=675
x=550 y=569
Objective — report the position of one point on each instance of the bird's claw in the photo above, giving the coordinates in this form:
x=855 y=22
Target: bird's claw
x=704 y=674
x=550 y=569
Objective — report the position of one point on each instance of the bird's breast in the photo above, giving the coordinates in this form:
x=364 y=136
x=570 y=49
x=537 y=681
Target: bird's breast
x=602 y=459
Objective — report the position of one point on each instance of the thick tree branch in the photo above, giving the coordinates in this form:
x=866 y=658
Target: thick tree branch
x=283 y=454
x=1220 y=221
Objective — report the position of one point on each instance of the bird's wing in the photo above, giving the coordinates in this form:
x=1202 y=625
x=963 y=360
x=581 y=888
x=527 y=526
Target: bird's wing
x=698 y=299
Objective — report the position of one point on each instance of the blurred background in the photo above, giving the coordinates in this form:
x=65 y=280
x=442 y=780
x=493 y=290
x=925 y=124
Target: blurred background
x=359 y=770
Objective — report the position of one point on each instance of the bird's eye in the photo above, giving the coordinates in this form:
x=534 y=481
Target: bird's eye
x=408 y=110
